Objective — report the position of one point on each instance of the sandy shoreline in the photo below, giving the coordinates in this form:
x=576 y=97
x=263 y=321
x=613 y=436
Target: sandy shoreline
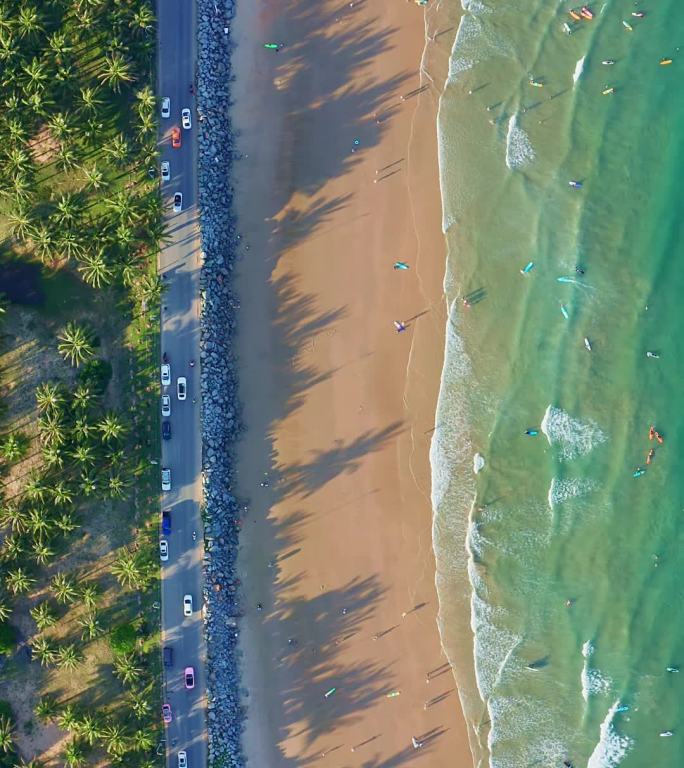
x=338 y=406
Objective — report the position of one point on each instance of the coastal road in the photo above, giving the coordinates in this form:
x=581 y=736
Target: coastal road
x=179 y=266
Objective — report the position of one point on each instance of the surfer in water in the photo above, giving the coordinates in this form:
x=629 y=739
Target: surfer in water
x=653 y=354
x=531 y=432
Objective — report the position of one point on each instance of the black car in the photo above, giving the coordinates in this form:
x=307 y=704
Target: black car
x=166 y=430
x=168 y=656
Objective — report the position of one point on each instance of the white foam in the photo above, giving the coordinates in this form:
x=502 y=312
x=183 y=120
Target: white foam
x=519 y=150
x=571 y=436
x=612 y=747
x=478 y=463
x=566 y=489
x=579 y=68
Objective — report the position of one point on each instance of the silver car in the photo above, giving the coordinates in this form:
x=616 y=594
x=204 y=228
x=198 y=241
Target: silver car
x=166 y=405
x=178 y=202
x=182 y=759
x=187 y=605
x=166 y=479
x=163 y=550
x=166 y=375
x=182 y=387
x=166 y=107
x=166 y=170
x=186 y=119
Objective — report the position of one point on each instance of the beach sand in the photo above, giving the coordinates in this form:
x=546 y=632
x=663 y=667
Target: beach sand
x=338 y=406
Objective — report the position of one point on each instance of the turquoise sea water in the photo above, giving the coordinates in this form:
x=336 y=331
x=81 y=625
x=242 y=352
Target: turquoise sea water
x=559 y=517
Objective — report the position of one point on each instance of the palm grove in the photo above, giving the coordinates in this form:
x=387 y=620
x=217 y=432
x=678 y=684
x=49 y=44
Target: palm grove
x=78 y=126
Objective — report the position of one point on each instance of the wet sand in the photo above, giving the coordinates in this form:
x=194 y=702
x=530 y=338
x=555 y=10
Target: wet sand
x=339 y=181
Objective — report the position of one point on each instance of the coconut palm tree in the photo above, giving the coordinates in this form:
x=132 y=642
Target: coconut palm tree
x=125 y=668
x=52 y=429
x=95 y=270
x=18 y=581
x=44 y=615
x=94 y=176
x=53 y=456
x=90 y=626
x=115 y=71
x=32 y=763
x=111 y=428
x=143 y=19
x=42 y=552
x=29 y=23
x=67 y=156
x=14 y=516
x=67 y=210
x=75 y=343
x=116 y=487
x=18 y=160
x=68 y=718
x=5 y=611
x=13 y=447
x=6 y=734
x=65 y=523
x=68 y=657
x=84 y=454
x=143 y=740
x=89 y=728
x=20 y=221
x=116 y=739
x=90 y=101
x=58 y=43
x=46 y=708
x=43 y=650
x=82 y=397
x=44 y=243
x=64 y=588
x=74 y=755
x=128 y=570
x=83 y=429
x=61 y=494
x=87 y=485
x=38 y=523
x=90 y=595
x=12 y=548
x=36 y=75
x=49 y=397
x=140 y=703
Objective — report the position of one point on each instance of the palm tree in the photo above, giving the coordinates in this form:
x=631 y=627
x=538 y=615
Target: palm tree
x=42 y=552
x=13 y=448
x=43 y=650
x=128 y=570
x=95 y=178
x=12 y=548
x=146 y=99
x=6 y=734
x=46 y=708
x=64 y=588
x=49 y=397
x=68 y=657
x=83 y=397
x=67 y=156
x=16 y=129
x=75 y=343
x=111 y=427
x=32 y=763
x=90 y=625
x=59 y=45
x=68 y=718
x=38 y=523
x=52 y=429
x=5 y=611
x=115 y=71
x=15 y=517
x=89 y=729
x=18 y=161
x=84 y=454
x=67 y=210
x=116 y=486
x=73 y=754
x=90 y=102
x=44 y=615
x=28 y=22
x=69 y=244
x=52 y=456
x=140 y=703
x=125 y=668
x=82 y=429
x=61 y=494
x=118 y=148
x=151 y=288
x=87 y=485
x=95 y=270
x=143 y=19
x=143 y=740
x=90 y=595
x=43 y=240
x=20 y=221
x=65 y=523
x=36 y=75
x=115 y=738
x=18 y=581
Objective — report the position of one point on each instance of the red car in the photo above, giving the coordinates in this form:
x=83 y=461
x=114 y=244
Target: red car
x=175 y=137
x=189 y=676
x=166 y=713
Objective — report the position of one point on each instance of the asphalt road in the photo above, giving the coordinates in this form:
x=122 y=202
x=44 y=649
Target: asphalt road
x=179 y=266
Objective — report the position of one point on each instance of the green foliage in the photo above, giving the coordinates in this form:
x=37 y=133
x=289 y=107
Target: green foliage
x=8 y=638
x=95 y=375
x=123 y=639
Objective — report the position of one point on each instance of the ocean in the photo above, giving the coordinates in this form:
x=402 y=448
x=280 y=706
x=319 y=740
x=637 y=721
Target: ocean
x=560 y=573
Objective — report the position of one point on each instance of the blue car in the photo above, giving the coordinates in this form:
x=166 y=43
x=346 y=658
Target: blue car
x=166 y=521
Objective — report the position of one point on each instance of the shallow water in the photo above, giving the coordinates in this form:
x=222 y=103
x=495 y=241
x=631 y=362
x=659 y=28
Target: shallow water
x=558 y=516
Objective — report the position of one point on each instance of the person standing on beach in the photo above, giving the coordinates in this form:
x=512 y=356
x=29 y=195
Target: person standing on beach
x=399 y=326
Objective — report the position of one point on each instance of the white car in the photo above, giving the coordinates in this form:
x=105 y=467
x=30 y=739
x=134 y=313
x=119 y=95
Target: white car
x=166 y=107
x=166 y=170
x=166 y=479
x=166 y=375
x=182 y=387
x=187 y=605
x=186 y=119
x=182 y=759
x=178 y=202
x=166 y=405
x=163 y=550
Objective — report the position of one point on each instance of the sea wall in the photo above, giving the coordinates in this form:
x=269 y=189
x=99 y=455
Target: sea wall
x=220 y=408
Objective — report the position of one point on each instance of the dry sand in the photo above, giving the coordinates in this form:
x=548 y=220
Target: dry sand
x=338 y=406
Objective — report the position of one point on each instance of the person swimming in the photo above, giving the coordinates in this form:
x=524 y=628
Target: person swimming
x=579 y=270
x=575 y=184
x=650 y=456
x=531 y=432
x=608 y=62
